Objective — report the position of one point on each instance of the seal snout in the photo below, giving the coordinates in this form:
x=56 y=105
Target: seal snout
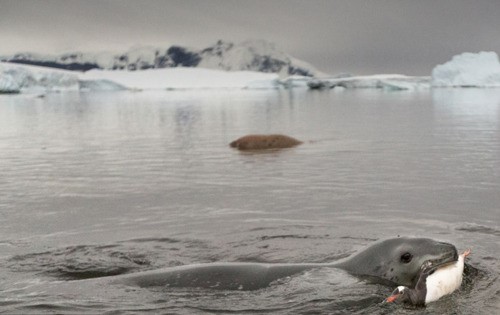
x=452 y=253
x=448 y=254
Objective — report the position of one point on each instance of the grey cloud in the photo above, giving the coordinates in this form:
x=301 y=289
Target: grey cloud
x=383 y=36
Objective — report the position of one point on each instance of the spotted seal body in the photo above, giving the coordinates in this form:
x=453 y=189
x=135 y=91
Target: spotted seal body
x=397 y=261
x=264 y=142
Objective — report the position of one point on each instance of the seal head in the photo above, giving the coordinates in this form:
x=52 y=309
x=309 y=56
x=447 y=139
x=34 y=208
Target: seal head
x=399 y=260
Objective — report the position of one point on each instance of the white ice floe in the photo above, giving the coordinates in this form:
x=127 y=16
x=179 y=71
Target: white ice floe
x=468 y=70
x=379 y=81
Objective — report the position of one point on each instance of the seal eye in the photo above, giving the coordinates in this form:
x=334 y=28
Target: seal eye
x=406 y=258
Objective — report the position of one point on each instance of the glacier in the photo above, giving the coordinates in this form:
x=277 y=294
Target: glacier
x=468 y=70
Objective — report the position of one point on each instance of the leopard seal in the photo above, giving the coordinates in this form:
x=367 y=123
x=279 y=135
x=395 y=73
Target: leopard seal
x=394 y=261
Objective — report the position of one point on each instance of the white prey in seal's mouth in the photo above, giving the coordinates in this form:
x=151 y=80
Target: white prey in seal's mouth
x=446 y=279
x=435 y=281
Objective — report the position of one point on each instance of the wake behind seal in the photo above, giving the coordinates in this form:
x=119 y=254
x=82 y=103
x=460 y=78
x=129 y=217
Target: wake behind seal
x=397 y=261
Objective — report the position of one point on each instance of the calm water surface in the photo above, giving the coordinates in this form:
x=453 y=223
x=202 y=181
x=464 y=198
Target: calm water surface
x=101 y=184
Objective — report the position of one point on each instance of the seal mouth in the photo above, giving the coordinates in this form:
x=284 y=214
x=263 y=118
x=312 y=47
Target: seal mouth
x=448 y=258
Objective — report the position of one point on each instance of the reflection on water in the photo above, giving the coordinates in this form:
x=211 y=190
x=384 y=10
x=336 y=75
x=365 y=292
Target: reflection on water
x=85 y=173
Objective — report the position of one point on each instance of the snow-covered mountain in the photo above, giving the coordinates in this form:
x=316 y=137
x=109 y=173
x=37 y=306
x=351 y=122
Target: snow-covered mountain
x=254 y=55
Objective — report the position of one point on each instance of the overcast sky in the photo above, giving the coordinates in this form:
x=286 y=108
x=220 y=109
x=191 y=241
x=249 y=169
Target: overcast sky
x=356 y=36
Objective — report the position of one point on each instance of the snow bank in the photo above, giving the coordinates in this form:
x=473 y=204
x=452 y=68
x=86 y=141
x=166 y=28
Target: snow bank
x=32 y=78
x=468 y=70
x=380 y=81
x=181 y=78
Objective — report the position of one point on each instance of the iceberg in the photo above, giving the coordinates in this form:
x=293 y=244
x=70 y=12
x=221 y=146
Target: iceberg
x=406 y=83
x=296 y=81
x=32 y=78
x=389 y=82
x=24 y=78
x=100 y=85
x=468 y=70
x=8 y=85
